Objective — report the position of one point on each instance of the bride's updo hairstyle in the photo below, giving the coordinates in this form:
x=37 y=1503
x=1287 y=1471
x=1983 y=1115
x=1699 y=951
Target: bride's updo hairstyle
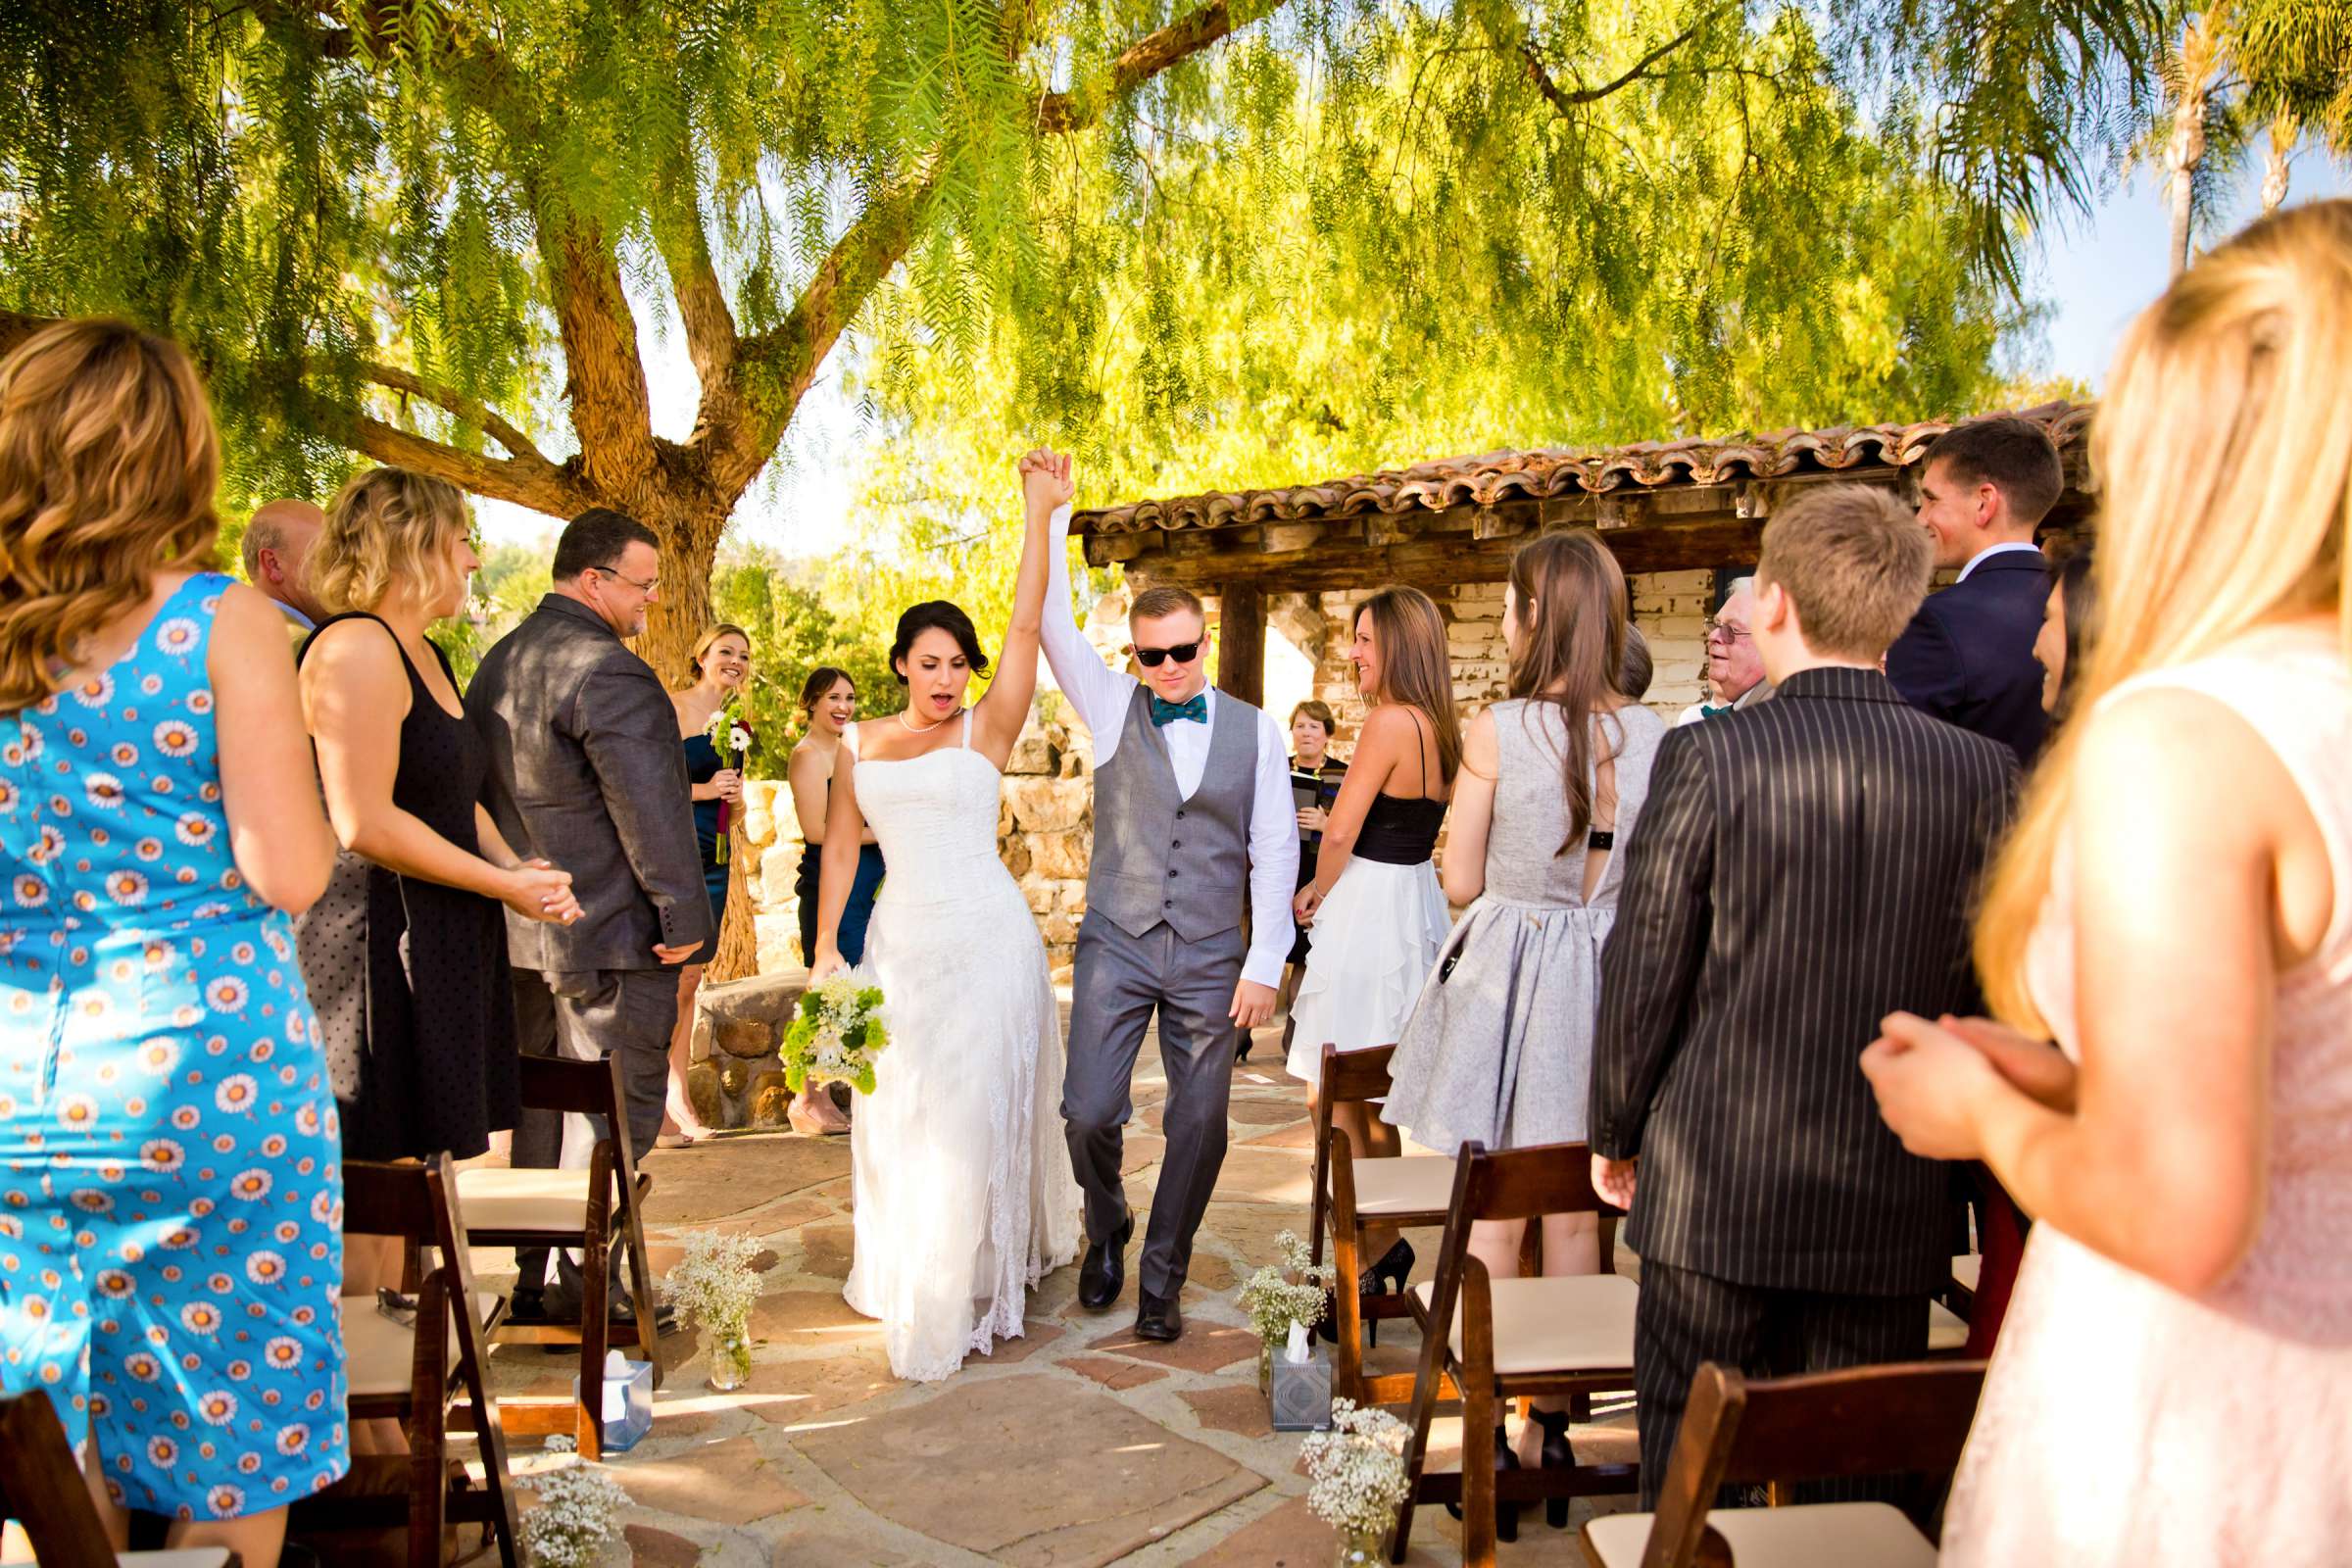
x=939 y=615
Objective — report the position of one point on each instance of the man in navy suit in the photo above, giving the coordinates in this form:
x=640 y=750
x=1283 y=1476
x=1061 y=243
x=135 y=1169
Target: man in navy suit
x=1967 y=656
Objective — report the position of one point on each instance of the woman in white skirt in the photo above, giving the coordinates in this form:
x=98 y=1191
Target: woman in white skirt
x=1375 y=906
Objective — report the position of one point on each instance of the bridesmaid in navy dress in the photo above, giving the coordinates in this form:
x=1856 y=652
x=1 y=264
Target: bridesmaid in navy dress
x=722 y=665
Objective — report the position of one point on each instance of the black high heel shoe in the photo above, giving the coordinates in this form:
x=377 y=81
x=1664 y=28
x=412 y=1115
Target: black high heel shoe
x=1506 y=1511
x=1385 y=1277
x=1557 y=1455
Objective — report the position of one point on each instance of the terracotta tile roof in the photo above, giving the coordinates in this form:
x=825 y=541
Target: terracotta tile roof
x=1644 y=465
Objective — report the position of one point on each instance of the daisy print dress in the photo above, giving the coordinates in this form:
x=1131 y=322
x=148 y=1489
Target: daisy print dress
x=169 y=1192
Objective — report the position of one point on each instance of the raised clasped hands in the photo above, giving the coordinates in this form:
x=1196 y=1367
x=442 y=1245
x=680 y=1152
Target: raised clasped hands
x=1046 y=478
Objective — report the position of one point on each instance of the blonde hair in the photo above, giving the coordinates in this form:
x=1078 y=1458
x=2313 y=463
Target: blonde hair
x=387 y=528
x=108 y=463
x=702 y=645
x=1854 y=562
x=2224 y=448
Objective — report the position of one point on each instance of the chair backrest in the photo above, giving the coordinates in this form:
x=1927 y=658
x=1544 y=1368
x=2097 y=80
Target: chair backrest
x=1348 y=1077
x=589 y=1088
x=41 y=1487
x=1910 y=1417
x=1506 y=1184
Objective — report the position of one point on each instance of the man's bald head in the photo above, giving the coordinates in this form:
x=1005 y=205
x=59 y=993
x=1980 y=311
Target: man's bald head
x=277 y=545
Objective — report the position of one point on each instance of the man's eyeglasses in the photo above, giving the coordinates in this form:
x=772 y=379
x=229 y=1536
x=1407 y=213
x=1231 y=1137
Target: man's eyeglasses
x=1153 y=658
x=648 y=589
x=1724 y=630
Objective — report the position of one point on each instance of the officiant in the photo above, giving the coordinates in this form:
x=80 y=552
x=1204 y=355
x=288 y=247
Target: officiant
x=1315 y=776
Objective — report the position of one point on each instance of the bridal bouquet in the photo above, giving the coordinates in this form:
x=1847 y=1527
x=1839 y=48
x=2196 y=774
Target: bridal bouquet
x=837 y=1035
x=731 y=738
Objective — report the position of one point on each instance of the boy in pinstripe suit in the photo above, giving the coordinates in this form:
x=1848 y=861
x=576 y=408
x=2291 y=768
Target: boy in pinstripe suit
x=1802 y=868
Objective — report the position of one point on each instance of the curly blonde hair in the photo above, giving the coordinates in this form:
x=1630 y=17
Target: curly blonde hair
x=387 y=528
x=107 y=462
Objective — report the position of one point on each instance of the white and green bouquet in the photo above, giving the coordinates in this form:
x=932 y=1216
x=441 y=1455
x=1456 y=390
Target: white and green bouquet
x=836 y=1035
x=731 y=738
x=1357 y=1471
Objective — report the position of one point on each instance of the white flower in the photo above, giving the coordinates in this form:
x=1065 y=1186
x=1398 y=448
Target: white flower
x=576 y=1518
x=715 y=1281
x=739 y=739
x=1358 y=1469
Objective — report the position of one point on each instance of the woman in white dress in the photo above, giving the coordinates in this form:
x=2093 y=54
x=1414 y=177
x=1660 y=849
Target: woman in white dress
x=960 y=1205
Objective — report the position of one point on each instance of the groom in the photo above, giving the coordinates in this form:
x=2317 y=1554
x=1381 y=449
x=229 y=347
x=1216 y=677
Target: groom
x=1193 y=826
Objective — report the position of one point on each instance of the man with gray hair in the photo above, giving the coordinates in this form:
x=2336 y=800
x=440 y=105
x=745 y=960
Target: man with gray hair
x=1735 y=668
x=278 y=546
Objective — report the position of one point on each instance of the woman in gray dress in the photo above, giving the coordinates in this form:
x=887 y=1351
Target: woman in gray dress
x=1500 y=1046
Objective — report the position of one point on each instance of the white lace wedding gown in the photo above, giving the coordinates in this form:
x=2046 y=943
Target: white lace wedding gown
x=962 y=1192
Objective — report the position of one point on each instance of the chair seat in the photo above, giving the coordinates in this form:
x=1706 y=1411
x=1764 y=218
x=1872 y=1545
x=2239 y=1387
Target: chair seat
x=1966 y=1267
x=1946 y=1331
x=380 y=1355
x=494 y=1198
x=1824 y=1534
x=179 y=1558
x=1414 y=1184
x=1566 y=1323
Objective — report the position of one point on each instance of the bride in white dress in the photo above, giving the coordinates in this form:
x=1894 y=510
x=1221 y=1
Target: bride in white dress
x=960 y=1202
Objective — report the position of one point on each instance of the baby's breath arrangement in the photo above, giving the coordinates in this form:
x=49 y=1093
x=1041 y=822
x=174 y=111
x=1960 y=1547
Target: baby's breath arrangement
x=1357 y=1468
x=836 y=1035
x=716 y=1282
x=576 y=1519
x=1292 y=1292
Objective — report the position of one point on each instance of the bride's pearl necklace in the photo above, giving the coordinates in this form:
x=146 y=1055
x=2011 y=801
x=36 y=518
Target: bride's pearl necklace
x=925 y=729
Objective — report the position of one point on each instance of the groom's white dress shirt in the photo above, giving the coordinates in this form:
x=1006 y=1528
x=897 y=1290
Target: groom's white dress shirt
x=1102 y=696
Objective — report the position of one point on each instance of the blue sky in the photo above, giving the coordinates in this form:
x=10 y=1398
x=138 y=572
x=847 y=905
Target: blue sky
x=2096 y=271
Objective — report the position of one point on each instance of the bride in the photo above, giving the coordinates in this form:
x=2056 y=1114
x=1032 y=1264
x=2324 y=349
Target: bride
x=960 y=1205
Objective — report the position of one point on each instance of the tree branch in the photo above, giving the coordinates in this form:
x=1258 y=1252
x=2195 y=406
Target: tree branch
x=471 y=410
x=540 y=485
x=1140 y=61
x=1565 y=99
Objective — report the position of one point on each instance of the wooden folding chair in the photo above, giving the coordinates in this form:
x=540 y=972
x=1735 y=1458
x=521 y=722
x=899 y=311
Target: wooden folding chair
x=1874 y=1420
x=572 y=1208
x=416 y=1373
x=41 y=1488
x=1352 y=1194
x=1570 y=1335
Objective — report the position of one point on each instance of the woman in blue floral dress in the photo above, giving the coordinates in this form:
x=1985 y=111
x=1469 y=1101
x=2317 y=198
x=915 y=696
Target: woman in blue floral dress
x=170 y=1185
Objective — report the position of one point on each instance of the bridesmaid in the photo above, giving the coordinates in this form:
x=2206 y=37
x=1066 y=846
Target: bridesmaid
x=829 y=703
x=721 y=663
x=1500 y=1046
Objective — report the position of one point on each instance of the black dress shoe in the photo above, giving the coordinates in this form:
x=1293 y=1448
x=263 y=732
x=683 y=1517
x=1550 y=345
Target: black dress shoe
x=1103 y=1273
x=559 y=1305
x=1159 y=1318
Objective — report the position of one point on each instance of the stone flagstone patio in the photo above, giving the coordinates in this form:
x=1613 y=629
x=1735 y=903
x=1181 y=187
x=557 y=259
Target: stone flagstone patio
x=1075 y=1446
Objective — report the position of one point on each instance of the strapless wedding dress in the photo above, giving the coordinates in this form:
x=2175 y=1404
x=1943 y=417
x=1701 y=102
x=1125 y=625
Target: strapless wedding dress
x=963 y=1190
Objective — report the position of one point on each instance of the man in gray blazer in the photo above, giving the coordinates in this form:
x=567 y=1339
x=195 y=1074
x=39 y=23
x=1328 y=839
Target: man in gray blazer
x=588 y=771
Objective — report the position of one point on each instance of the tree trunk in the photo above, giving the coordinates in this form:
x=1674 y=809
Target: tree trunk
x=738 y=956
x=2187 y=148
x=683 y=612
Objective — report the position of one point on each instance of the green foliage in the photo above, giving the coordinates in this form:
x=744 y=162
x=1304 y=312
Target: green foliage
x=1679 y=204
x=801 y=615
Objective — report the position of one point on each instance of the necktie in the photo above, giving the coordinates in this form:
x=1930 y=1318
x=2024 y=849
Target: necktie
x=1165 y=714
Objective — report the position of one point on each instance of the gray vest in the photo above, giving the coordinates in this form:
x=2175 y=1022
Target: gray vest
x=1159 y=856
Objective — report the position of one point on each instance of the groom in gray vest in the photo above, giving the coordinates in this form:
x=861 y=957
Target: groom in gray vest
x=1193 y=830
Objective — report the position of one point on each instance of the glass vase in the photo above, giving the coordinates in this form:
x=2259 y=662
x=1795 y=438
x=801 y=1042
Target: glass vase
x=1265 y=1367
x=1361 y=1549
x=729 y=1348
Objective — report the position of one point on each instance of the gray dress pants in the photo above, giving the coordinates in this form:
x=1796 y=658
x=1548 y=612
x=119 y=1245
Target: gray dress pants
x=588 y=1017
x=1119 y=982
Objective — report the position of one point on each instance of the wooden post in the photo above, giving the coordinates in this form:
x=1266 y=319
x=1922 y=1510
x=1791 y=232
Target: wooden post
x=1242 y=642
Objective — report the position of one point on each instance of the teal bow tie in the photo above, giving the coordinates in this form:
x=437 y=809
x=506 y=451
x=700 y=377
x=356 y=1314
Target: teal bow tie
x=1715 y=710
x=1165 y=714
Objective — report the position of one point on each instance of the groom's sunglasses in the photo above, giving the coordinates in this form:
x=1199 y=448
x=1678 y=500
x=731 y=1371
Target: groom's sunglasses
x=1153 y=658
